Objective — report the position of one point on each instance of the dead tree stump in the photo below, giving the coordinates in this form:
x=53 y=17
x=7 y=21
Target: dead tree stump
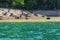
x=26 y=16
x=35 y=15
x=11 y=14
x=48 y=18
x=4 y=13
x=16 y=17
x=1 y=18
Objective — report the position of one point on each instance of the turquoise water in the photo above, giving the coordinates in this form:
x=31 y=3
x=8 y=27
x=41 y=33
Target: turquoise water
x=29 y=30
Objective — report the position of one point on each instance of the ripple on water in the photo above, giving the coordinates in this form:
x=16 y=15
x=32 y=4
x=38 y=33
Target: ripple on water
x=58 y=34
x=9 y=39
x=52 y=30
x=39 y=37
x=4 y=27
x=2 y=34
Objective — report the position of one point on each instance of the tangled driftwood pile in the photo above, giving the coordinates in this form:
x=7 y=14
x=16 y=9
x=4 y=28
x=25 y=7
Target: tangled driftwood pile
x=16 y=14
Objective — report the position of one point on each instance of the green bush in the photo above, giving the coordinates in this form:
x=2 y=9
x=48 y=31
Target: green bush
x=18 y=3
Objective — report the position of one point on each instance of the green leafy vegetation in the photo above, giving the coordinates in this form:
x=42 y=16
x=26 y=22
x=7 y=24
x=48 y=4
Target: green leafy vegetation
x=33 y=4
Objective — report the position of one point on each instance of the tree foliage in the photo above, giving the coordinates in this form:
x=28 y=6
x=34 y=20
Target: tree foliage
x=33 y=4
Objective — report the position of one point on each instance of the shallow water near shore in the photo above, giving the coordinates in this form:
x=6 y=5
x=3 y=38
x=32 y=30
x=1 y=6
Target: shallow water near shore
x=29 y=30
